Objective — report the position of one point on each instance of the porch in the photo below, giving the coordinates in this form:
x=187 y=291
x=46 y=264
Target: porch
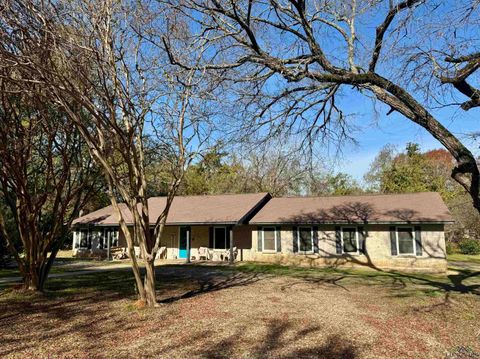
x=216 y=243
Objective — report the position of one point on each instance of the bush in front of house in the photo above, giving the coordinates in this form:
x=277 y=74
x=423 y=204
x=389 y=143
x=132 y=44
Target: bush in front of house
x=469 y=246
x=451 y=247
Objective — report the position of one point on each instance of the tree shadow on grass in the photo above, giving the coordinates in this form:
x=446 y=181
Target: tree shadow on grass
x=400 y=284
x=207 y=282
x=69 y=302
x=284 y=340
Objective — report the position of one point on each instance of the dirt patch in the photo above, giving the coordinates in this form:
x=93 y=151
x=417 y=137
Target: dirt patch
x=213 y=313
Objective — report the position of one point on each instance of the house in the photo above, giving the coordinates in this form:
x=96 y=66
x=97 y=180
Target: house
x=398 y=231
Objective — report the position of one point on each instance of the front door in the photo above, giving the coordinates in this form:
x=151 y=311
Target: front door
x=182 y=245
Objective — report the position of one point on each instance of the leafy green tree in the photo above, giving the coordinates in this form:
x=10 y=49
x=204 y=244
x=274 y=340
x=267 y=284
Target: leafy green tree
x=415 y=171
x=407 y=172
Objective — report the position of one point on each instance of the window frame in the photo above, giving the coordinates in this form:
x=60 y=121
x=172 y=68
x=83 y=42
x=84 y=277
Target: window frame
x=215 y=237
x=414 y=241
x=357 y=239
x=87 y=231
x=108 y=233
x=274 y=239
x=298 y=240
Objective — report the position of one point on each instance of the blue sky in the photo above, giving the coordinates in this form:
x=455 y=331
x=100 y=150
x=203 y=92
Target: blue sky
x=378 y=129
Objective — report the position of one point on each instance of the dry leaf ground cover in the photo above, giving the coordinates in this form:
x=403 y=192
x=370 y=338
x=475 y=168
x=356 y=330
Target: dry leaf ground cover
x=249 y=311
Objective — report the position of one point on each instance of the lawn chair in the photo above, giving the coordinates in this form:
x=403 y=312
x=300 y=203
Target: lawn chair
x=162 y=251
x=119 y=253
x=226 y=254
x=203 y=252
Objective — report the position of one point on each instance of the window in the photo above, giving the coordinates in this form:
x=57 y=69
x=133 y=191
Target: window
x=305 y=239
x=269 y=239
x=83 y=238
x=405 y=240
x=101 y=242
x=112 y=235
x=113 y=238
x=220 y=238
x=349 y=240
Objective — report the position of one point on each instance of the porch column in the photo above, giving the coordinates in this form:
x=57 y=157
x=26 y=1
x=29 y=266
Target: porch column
x=108 y=237
x=230 y=257
x=187 y=235
x=74 y=243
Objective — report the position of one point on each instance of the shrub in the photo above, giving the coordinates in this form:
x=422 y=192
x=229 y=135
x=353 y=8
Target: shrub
x=469 y=246
x=452 y=248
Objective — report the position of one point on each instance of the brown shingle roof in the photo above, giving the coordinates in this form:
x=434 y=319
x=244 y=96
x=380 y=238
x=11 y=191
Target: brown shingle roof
x=186 y=210
x=400 y=208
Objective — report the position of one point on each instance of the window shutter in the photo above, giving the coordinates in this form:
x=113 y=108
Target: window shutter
x=418 y=240
x=278 y=229
x=259 y=239
x=361 y=240
x=210 y=237
x=315 y=239
x=393 y=241
x=338 y=240
x=295 y=240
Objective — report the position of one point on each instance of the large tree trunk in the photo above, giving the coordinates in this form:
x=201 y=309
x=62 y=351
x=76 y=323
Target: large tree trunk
x=31 y=280
x=149 y=283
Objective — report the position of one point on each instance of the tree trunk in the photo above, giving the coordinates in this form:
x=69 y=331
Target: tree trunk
x=149 y=284
x=32 y=280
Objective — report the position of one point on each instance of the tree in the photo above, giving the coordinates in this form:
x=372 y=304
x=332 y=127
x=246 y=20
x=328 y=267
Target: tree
x=214 y=174
x=407 y=173
x=100 y=58
x=339 y=184
x=381 y=163
x=413 y=171
x=45 y=179
x=300 y=56
x=278 y=170
x=262 y=169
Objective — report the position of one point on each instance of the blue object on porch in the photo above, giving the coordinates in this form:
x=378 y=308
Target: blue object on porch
x=182 y=247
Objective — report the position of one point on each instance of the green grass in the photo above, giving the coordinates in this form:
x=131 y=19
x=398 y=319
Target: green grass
x=62 y=265
x=401 y=284
x=457 y=257
x=10 y=272
x=459 y=280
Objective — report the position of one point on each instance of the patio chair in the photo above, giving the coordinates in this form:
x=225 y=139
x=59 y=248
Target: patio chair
x=203 y=252
x=162 y=251
x=119 y=253
x=226 y=254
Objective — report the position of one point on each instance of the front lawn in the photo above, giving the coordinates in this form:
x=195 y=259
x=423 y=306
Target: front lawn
x=457 y=257
x=248 y=311
x=63 y=265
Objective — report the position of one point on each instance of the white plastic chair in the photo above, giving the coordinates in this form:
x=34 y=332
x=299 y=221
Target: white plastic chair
x=203 y=252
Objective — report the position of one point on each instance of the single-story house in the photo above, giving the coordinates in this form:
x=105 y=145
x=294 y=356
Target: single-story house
x=397 y=231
